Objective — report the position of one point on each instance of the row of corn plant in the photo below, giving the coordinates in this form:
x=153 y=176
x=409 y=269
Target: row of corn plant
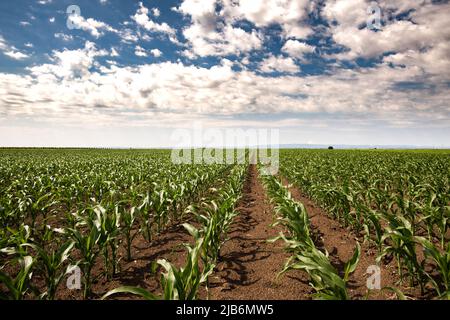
x=104 y=197
x=215 y=217
x=324 y=278
x=50 y=259
x=394 y=198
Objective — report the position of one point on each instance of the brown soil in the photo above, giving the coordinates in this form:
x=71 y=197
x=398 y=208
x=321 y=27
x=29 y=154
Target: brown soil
x=137 y=272
x=249 y=264
x=340 y=243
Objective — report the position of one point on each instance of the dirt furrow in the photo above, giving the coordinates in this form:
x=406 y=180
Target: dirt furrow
x=249 y=264
x=340 y=243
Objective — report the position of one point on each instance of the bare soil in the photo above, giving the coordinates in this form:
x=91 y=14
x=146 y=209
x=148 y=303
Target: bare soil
x=340 y=243
x=249 y=264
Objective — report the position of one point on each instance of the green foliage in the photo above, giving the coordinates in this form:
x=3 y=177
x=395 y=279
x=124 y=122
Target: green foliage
x=441 y=260
x=177 y=284
x=324 y=278
x=51 y=263
x=390 y=196
x=18 y=286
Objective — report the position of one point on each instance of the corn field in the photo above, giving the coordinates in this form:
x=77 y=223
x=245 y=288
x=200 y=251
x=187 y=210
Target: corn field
x=399 y=201
x=98 y=211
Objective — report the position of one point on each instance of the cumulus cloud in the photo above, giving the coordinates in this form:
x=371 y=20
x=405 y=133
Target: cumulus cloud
x=128 y=36
x=16 y=55
x=230 y=40
x=156 y=53
x=69 y=64
x=434 y=62
x=424 y=24
x=140 y=52
x=11 y=51
x=279 y=64
x=207 y=37
x=156 y=12
x=412 y=53
x=94 y=27
x=297 y=49
x=74 y=88
x=114 y=52
x=142 y=18
x=63 y=36
x=291 y=15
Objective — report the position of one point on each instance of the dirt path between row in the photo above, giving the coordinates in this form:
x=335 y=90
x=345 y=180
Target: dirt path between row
x=249 y=264
x=340 y=243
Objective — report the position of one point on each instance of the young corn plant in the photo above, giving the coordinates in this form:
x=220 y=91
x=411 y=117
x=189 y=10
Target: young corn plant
x=146 y=217
x=324 y=278
x=436 y=220
x=441 y=260
x=184 y=283
x=402 y=245
x=290 y=214
x=51 y=264
x=14 y=240
x=295 y=218
x=177 y=284
x=89 y=244
x=19 y=286
x=215 y=224
x=110 y=230
x=128 y=220
x=161 y=204
x=37 y=208
x=374 y=219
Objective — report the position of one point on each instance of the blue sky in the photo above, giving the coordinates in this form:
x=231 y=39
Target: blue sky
x=132 y=73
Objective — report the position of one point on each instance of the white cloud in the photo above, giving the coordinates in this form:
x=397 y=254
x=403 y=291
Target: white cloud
x=213 y=30
x=29 y=45
x=297 y=49
x=204 y=38
x=230 y=40
x=52 y=19
x=128 y=36
x=16 y=55
x=289 y=14
x=25 y=23
x=72 y=90
x=433 y=62
x=114 y=52
x=94 y=27
x=11 y=51
x=156 y=12
x=69 y=64
x=63 y=36
x=156 y=53
x=140 y=52
x=188 y=54
x=75 y=88
x=142 y=19
x=278 y=63
x=427 y=28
